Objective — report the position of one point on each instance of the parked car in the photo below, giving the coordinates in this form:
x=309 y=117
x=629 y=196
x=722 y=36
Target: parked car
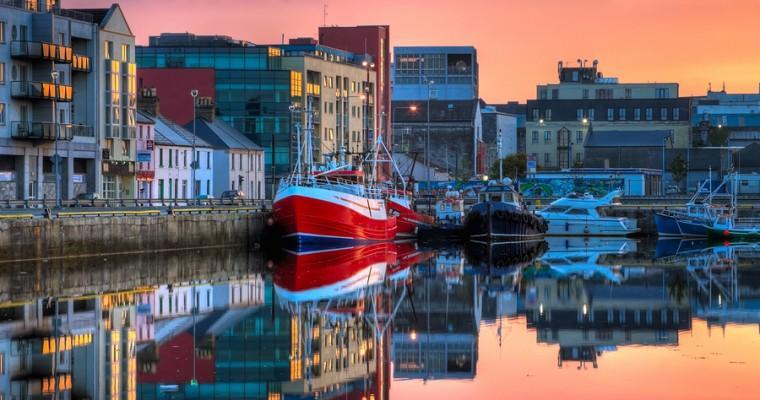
x=86 y=199
x=232 y=196
x=672 y=189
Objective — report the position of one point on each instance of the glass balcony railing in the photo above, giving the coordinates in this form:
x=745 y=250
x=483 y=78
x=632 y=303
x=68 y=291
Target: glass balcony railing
x=41 y=51
x=41 y=90
x=34 y=130
x=82 y=130
x=81 y=63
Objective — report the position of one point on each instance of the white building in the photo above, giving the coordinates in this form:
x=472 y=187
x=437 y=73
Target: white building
x=173 y=154
x=238 y=162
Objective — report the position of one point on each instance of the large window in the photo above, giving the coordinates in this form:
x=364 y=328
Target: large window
x=534 y=137
x=649 y=113
x=125 y=52
x=610 y=114
x=663 y=114
x=621 y=114
x=547 y=136
x=2 y=113
x=2 y=73
x=2 y=31
x=637 y=114
x=676 y=114
x=662 y=93
x=108 y=49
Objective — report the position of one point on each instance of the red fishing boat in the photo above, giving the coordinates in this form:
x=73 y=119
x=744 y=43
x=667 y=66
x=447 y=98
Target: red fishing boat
x=332 y=206
x=409 y=221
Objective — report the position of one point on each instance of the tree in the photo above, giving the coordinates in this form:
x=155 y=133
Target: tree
x=678 y=169
x=718 y=136
x=510 y=164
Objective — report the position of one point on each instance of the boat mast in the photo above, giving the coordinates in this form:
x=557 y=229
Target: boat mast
x=308 y=139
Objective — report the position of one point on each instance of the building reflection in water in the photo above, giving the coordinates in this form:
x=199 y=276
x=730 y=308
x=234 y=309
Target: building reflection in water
x=345 y=323
x=573 y=298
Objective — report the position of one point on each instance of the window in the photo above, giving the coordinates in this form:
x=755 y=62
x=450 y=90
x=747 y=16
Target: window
x=232 y=162
x=208 y=160
x=170 y=158
x=2 y=364
x=125 y=52
x=662 y=93
x=2 y=113
x=579 y=114
x=676 y=114
x=2 y=31
x=663 y=114
x=603 y=94
x=535 y=114
x=161 y=158
x=555 y=94
x=585 y=94
x=108 y=49
x=627 y=93
x=621 y=114
x=649 y=113
x=535 y=137
x=2 y=73
x=578 y=136
x=240 y=162
x=578 y=211
x=184 y=158
x=547 y=136
x=547 y=159
x=610 y=114
x=591 y=114
x=637 y=114
x=208 y=186
x=548 y=114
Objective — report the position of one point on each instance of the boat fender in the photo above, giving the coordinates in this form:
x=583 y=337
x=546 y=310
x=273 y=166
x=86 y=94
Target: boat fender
x=499 y=214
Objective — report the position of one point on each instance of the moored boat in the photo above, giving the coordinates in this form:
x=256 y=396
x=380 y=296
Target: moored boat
x=331 y=206
x=587 y=216
x=401 y=205
x=501 y=216
x=706 y=206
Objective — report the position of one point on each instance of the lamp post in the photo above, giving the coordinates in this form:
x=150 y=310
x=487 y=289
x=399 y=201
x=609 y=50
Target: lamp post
x=194 y=95
x=662 y=172
x=56 y=161
x=427 y=133
x=412 y=108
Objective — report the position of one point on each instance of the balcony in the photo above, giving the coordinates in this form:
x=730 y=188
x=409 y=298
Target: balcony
x=82 y=131
x=41 y=90
x=29 y=130
x=41 y=51
x=81 y=63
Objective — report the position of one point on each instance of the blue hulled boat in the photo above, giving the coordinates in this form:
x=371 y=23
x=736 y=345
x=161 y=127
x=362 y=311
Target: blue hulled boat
x=709 y=204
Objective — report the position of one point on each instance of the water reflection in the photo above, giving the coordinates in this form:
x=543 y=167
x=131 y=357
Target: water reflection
x=366 y=322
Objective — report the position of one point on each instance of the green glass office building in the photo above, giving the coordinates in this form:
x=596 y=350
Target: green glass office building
x=251 y=91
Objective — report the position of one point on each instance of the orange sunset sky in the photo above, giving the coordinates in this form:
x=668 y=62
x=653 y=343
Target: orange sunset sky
x=691 y=42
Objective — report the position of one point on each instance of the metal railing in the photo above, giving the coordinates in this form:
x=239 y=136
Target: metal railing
x=41 y=90
x=248 y=204
x=36 y=50
x=41 y=130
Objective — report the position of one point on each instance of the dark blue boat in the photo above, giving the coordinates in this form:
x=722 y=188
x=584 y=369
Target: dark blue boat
x=501 y=216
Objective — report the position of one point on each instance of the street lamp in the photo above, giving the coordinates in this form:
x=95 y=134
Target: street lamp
x=194 y=95
x=413 y=108
x=662 y=172
x=430 y=84
x=54 y=74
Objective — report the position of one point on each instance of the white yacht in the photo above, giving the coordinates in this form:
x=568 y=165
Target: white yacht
x=587 y=216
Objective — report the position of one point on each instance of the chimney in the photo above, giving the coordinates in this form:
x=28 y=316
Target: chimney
x=205 y=108
x=147 y=102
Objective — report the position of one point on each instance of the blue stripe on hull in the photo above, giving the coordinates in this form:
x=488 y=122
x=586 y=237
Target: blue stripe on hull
x=306 y=243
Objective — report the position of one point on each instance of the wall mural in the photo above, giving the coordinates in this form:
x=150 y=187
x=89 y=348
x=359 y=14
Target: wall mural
x=558 y=187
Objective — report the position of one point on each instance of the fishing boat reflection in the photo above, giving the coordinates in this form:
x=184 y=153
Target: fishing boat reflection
x=342 y=303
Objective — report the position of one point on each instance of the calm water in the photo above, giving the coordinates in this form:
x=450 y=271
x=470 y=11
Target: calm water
x=572 y=318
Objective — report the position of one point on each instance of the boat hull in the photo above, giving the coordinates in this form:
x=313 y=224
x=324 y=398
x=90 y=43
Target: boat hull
x=596 y=227
x=501 y=222
x=408 y=221
x=669 y=225
x=311 y=216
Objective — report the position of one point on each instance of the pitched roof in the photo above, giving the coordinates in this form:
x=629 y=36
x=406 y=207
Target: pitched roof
x=221 y=135
x=626 y=138
x=144 y=118
x=167 y=132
